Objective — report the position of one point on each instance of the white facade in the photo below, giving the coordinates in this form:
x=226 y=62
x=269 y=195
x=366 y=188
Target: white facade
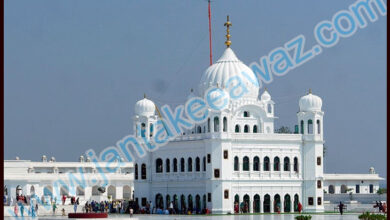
x=49 y=180
x=254 y=163
x=352 y=183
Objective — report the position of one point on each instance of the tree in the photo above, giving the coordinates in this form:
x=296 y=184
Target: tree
x=283 y=130
x=381 y=191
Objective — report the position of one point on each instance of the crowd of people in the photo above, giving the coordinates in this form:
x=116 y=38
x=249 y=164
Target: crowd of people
x=243 y=207
x=382 y=207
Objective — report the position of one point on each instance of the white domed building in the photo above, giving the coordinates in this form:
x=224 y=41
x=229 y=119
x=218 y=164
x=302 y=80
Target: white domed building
x=234 y=156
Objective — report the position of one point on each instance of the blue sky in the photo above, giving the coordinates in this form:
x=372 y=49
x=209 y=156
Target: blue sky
x=74 y=70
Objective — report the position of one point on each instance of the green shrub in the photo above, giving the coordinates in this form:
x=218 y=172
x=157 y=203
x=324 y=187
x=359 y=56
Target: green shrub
x=303 y=217
x=369 y=216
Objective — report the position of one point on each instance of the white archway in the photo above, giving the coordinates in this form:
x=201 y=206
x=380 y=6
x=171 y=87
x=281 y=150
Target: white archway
x=126 y=192
x=111 y=192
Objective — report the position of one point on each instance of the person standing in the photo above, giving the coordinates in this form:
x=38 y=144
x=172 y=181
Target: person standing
x=54 y=208
x=16 y=209
x=299 y=207
x=151 y=207
x=36 y=209
x=341 y=207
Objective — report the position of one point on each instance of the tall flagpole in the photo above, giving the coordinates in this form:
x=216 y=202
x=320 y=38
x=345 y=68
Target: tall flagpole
x=211 y=51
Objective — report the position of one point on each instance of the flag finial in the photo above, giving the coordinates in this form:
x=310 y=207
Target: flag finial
x=228 y=24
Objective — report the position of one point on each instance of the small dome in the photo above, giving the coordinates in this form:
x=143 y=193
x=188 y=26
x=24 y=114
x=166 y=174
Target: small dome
x=310 y=102
x=265 y=96
x=372 y=170
x=229 y=67
x=145 y=107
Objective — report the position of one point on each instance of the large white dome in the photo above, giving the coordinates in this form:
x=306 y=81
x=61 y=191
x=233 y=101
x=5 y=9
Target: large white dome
x=227 y=67
x=310 y=102
x=145 y=107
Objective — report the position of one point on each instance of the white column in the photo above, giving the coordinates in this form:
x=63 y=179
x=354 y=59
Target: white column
x=281 y=204
x=272 y=204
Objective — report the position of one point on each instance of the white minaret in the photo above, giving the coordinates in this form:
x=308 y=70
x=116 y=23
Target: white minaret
x=310 y=122
x=144 y=122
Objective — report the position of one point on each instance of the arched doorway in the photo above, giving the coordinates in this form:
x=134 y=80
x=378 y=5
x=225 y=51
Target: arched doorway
x=267 y=203
x=19 y=191
x=197 y=203
x=247 y=203
x=183 y=205
x=256 y=203
x=126 y=192
x=190 y=203
x=159 y=201
x=111 y=192
x=95 y=191
x=277 y=203
x=343 y=189
x=64 y=191
x=296 y=201
x=175 y=202
x=32 y=190
x=167 y=201
x=331 y=189
x=80 y=191
x=287 y=203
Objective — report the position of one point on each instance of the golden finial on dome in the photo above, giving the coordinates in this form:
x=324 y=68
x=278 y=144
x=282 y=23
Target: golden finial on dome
x=228 y=24
x=144 y=95
x=265 y=88
x=309 y=91
x=192 y=90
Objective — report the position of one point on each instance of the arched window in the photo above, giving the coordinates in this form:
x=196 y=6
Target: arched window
x=267 y=204
x=143 y=127
x=246 y=128
x=254 y=128
x=310 y=126
x=159 y=165
x=167 y=166
x=246 y=114
x=302 y=126
x=269 y=107
x=216 y=124
x=236 y=164
x=266 y=163
x=197 y=166
x=204 y=163
x=287 y=203
x=143 y=171
x=199 y=130
x=151 y=130
x=80 y=191
x=208 y=125
x=318 y=127
x=175 y=165
x=182 y=163
x=245 y=165
x=276 y=164
x=237 y=129
x=286 y=164
x=256 y=162
x=296 y=202
x=224 y=124
x=295 y=164
x=343 y=189
x=189 y=165
x=331 y=189
x=32 y=190
x=136 y=171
